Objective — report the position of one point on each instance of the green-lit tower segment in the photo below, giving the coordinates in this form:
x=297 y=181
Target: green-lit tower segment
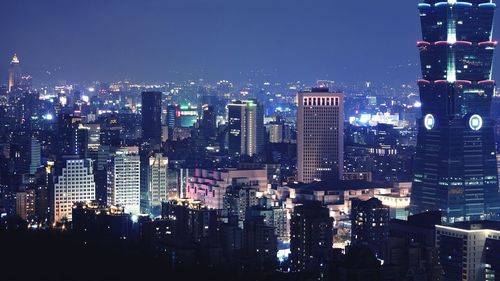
x=455 y=165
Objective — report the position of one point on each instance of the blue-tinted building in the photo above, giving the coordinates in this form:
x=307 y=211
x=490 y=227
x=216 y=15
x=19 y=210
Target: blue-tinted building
x=455 y=165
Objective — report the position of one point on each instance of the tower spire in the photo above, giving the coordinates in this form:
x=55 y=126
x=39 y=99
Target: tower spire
x=15 y=60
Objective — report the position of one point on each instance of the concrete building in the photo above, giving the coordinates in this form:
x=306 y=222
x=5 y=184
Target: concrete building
x=246 y=127
x=467 y=250
x=124 y=181
x=211 y=186
x=72 y=183
x=157 y=182
x=320 y=135
x=311 y=240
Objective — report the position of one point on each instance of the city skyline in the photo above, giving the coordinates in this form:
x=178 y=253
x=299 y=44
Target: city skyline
x=153 y=148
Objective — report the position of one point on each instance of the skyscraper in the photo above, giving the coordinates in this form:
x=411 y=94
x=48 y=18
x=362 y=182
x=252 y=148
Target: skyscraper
x=455 y=165
x=27 y=155
x=124 y=181
x=208 y=120
x=246 y=127
x=15 y=74
x=469 y=250
x=320 y=135
x=157 y=183
x=73 y=136
x=151 y=119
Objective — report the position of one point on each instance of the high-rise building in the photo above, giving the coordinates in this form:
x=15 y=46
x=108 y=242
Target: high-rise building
x=26 y=154
x=73 y=182
x=469 y=250
x=311 y=239
x=124 y=181
x=15 y=74
x=370 y=224
x=275 y=132
x=208 y=120
x=157 y=183
x=25 y=204
x=246 y=127
x=455 y=164
x=320 y=135
x=73 y=136
x=151 y=119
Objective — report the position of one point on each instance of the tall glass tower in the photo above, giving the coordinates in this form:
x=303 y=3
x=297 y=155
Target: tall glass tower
x=455 y=165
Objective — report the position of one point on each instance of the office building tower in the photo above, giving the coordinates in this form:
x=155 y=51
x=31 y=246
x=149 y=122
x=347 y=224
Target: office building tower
x=320 y=135
x=94 y=138
x=15 y=74
x=208 y=120
x=469 y=250
x=26 y=153
x=370 y=224
x=157 y=183
x=245 y=127
x=311 y=239
x=275 y=131
x=172 y=115
x=124 y=181
x=73 y=136
x=151 y=119
x=73 y=182
x=455 y=163
x=25 y=204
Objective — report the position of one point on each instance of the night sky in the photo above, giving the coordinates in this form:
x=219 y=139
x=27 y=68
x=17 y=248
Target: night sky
x=164 y=40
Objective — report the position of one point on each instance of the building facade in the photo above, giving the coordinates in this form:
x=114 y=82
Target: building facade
x=370 y=224
x=15 y=74
x=246 y=127
x=468 y=250
x=320 y=135
x=124 y=181
x=210 y=186
x=151 y=119
x=311 y=241
x=73 y=183
x=455 y=164
x=157 y=183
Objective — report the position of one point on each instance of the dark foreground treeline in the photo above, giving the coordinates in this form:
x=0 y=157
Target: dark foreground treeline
x=50 y=255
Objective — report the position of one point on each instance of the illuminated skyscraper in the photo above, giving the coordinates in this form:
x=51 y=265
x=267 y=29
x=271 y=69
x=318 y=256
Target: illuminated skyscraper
x=15 y=74
x=455 y=165
x=157 y=183
x=320 y=135
x=124 y=181
x=246 y=127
